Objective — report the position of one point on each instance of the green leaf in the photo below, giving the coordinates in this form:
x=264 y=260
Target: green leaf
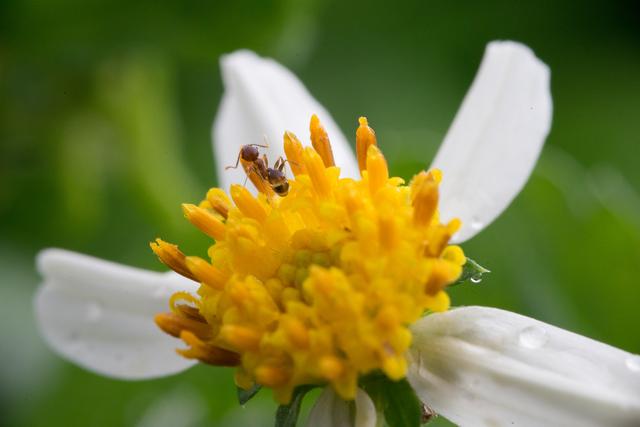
x=396 y=399
x=471 y=271
x=245 y=395
x=287 y=415
x=402 y=407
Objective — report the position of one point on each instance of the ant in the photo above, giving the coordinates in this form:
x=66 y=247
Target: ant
x=275 y=176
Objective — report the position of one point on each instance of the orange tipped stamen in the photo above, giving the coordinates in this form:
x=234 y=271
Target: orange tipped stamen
x=376 y=168
x=365 y=137
x=293 y=150
x=316 y=170
x=172 y=257
x=207 y=353
x=219 y=201
x=425 y=201
x=173 y=324
x=320 y=141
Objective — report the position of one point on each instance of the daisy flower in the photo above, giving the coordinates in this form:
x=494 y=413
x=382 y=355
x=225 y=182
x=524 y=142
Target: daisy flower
x=337 y=276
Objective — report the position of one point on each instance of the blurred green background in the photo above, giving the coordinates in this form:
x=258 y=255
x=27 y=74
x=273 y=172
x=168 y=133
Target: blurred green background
x=105 y=117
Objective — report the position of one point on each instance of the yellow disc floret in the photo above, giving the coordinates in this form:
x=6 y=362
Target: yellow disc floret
x=319 y=286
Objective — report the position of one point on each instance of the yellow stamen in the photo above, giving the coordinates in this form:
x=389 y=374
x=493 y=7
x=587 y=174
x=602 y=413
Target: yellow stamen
x=389 y=236
x=293 y=150
x=172 y=257
x=181 y=298
x=441 y=236
x=316 y=170
x=204 y=220
x=174 y=324
x=365 y=137
x=247 y=204
x=240 y=338
x=376 y=168
x=206 y=353
x=219 y=201
x=439 y=302
x=454 y=254
x=331 y=367
x=296 y=332
x=425 y=202
x=243 y=379
x=206 y=273
x=442 y=273
x=189 y=312
x=320 y=141
x=271 y=376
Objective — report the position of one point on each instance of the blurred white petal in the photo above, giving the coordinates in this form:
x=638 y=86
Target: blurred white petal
x=331 y=411
x=99 y=315
x=366 y=415
x=263 y=98
x=496 y=137
x=484 y=366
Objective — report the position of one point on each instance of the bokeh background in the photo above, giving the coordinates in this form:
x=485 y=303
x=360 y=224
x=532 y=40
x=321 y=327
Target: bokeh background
x=105 y=116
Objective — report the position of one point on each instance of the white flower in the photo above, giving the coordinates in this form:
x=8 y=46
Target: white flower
x=474 y=365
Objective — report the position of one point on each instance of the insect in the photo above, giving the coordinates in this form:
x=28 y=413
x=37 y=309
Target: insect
x=257 y=166
x=277 y=178
x=250 y=154
x=428 y=414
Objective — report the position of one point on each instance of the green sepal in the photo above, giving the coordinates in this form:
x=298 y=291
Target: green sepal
x=287 y=415
x=471 y=270
x=395 y=399
x=245 y=395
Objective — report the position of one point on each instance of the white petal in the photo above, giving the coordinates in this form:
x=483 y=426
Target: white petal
x=484 y=366
x=264 y=99
x=331 y=411
x=495 y=138
x=366 y=415
x=99 y=315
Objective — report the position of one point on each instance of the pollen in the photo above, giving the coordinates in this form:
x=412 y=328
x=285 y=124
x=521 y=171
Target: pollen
x=319 y=286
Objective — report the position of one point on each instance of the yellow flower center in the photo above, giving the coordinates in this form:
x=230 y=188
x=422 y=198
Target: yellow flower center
x=318 y=286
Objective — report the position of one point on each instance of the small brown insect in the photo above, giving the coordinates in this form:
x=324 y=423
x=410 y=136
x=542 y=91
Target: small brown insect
x=259 y=166
x=428 y=414
x=277 y=178
x=248 y=153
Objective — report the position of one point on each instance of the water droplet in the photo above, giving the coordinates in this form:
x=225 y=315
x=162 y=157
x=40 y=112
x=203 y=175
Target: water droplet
x=477 y=278
x=94 y=312
x=533 y=337
x=633 y=363
x=476 y=224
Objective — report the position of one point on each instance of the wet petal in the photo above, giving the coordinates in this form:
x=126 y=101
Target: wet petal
x=484 y=366
x=264 y=99
x=331 y=411
x=495 y=138
x=99 y=315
